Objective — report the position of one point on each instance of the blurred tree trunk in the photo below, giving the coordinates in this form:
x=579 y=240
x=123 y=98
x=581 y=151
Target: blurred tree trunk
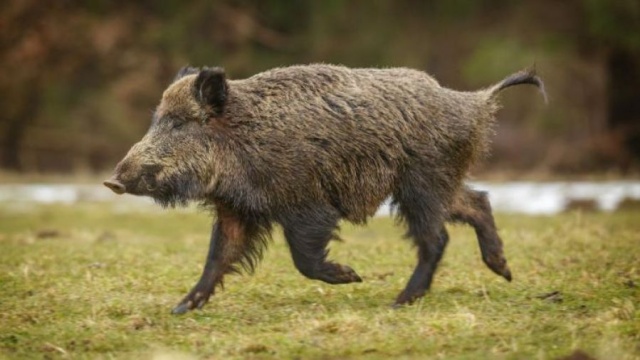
x=624 y=107
x=16 y=130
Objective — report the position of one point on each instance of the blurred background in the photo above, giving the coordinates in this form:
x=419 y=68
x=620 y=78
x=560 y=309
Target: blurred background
x=81 y=78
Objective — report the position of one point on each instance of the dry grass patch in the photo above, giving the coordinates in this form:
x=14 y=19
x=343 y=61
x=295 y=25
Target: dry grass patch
x=86 y=282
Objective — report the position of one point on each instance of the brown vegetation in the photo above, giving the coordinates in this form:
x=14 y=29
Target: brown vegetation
x=83 y=76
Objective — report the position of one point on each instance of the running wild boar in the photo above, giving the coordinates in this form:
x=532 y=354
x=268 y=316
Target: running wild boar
x=307 y=146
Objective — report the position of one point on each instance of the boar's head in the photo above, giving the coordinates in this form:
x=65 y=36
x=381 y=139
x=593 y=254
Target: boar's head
x=172 y=163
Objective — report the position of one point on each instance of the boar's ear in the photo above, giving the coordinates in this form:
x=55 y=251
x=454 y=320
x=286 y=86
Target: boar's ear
x=186 y=70
x=210 y=89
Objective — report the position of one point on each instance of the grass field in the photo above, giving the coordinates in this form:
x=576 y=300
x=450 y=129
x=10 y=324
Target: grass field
x=86 y=281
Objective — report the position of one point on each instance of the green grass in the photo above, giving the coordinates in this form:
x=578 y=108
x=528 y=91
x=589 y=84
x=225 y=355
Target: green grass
x=87 y=281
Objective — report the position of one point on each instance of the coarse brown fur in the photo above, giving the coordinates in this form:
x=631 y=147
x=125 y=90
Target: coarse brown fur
x=306 y=146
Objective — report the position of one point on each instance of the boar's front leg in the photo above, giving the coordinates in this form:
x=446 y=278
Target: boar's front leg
x=211 y=275
x=308 y=232
x=231 y=242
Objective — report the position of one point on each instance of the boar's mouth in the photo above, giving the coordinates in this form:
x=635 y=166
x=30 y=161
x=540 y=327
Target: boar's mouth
x=167 y=195
x=140 y=184
x=176 y=191
x=135 y=187
x=169 y=191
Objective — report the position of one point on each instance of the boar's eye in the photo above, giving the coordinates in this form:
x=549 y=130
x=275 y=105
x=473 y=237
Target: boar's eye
x=177 y=125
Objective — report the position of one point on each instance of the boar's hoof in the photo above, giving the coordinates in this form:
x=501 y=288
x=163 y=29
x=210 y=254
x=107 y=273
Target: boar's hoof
x=196 y=299
x=115 y=186
x=187 y=305
x=506 y=273
x=339 y=274
x=498 y=264
x=407 y=298
x=181 y=308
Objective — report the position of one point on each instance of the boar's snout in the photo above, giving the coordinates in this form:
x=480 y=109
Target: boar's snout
x=115 y=186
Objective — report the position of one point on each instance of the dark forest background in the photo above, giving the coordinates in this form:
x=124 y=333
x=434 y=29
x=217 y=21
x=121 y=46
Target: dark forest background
x=81 y=78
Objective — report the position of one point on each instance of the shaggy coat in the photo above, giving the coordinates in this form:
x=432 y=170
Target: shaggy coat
x=306 y=146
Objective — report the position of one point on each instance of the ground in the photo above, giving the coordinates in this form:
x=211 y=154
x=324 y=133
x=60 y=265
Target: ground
x=88 y=281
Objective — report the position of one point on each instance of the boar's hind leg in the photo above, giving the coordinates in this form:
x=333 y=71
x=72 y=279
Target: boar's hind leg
x=232 y=241
x=473 y=208
x=426 y=229
x=429 y=256
x=308 y=233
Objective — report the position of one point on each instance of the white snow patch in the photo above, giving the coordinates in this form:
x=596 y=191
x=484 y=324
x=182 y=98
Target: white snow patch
x=536 y=198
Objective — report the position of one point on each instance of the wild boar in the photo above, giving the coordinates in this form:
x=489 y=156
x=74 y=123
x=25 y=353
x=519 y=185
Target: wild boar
x=307 y=146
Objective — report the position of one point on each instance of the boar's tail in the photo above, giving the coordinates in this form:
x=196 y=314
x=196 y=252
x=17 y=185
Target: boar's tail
x=527 y=76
